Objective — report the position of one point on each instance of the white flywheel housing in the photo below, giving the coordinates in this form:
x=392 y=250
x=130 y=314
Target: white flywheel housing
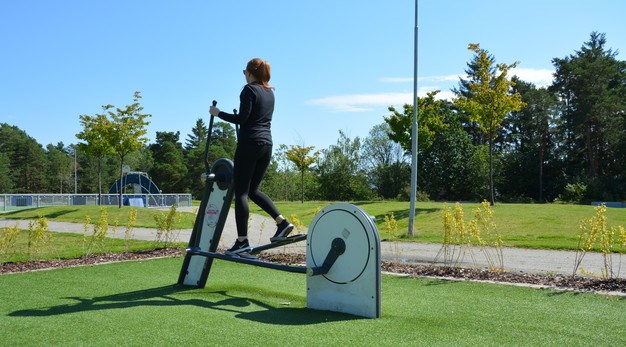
x=352 y=285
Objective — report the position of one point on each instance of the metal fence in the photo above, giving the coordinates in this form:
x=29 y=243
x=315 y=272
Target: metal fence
x=21 y=201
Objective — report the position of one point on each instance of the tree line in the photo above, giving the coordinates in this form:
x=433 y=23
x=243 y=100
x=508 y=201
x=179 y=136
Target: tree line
x=500 y=138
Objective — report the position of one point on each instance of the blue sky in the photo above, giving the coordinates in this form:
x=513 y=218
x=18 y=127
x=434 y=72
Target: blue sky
x=336 y=65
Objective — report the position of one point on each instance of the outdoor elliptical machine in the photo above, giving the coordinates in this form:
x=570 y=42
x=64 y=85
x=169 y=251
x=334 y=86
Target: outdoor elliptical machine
x=342 y=248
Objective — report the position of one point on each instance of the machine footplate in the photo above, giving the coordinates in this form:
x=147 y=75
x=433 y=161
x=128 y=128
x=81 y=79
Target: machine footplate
x=289 y=240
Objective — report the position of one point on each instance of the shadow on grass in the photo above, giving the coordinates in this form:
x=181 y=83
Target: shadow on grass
x=17 y=214
x=164 y=296
x=295 y=316
x=404 y=213
x=439 y=282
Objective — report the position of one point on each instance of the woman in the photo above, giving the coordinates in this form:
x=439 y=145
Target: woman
x=253 y=153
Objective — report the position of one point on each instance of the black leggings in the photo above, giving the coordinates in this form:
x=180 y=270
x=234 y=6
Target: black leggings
x=251 y=162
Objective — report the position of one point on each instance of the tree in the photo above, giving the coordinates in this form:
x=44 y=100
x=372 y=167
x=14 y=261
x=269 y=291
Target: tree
x=299 y=156
x=128 y=130
x=198 y=135
x=387 y=167
x=96 y=136
x=453 y=167
x=434 y=120
x=87 y=170
x=222 y=145
x=27 y=160
x=194 y=157
x=592 y=87
x=59 y=167
x=169 y=171
x=281 y=179
x=223 y=141
x=430 y=120
x=473 y=76
x=340 y=172
x=529 y=138
x=489 y=100
x=141 y=160
x=379 y=148
x=6 y=183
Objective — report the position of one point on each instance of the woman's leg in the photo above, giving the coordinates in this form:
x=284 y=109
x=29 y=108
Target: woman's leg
x=256 y=195
x=283 y=227
x=244 y=167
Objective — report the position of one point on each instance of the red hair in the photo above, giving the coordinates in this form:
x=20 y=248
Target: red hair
x=260 y=70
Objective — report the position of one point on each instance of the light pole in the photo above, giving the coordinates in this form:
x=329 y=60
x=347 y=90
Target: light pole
x=414 y=134
x=75 y=177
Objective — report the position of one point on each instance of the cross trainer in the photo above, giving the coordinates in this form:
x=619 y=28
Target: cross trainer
x=342 y=248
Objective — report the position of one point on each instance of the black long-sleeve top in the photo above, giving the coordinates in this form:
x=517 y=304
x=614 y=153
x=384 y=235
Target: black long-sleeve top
x=256 y=106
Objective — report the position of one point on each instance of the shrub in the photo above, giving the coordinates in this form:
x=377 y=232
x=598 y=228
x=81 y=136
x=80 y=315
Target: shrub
x=297 y=223
x=130 y=224
x=574 y=192
x=405 y=195
x=99 y=233
x=38 y=235
x=391 y=226
x=8 y=238
x=595 y=233
x=165 y=226
x=459 y=237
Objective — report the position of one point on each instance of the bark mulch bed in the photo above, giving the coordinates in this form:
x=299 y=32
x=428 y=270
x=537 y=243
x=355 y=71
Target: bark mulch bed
x=576 y=283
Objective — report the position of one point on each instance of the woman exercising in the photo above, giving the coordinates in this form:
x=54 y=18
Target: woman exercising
x=253 y=153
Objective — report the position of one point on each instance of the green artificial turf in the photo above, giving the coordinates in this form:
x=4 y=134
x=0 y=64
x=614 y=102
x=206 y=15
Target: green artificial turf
x=137 y=303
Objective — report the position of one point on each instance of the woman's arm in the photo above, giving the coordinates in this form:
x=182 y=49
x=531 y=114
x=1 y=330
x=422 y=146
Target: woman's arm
x=246 y=100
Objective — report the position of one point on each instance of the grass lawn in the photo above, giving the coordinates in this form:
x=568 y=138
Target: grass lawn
x=69 y=246
x=136 y=303
x=547 y=226
x=79 y=214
